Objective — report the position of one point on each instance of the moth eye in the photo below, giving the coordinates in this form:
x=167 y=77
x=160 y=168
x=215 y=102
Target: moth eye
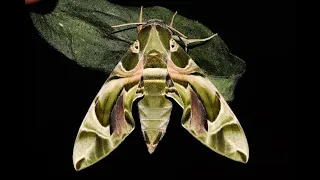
x=135 y=47
x=173 y=45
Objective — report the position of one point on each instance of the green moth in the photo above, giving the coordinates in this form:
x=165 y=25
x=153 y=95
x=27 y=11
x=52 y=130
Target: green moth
x=155 y=71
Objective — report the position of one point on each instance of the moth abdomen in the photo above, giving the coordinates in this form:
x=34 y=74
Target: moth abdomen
x=154 y=113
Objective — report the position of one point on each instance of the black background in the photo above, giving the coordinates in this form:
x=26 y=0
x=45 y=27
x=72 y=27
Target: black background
x=58 y=94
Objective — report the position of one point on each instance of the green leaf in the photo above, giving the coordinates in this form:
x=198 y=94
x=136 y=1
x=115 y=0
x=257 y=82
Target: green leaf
x=82 y=31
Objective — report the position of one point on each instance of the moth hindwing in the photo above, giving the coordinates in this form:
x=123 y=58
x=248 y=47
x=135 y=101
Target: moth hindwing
x=154 y=71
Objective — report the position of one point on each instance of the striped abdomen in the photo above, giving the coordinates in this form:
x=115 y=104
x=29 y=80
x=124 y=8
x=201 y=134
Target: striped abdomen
x=154 y=108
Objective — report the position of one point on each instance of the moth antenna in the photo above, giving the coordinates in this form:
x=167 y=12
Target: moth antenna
x=128 y=24
x=171 y=23
x=173 y=29
x=140 y=19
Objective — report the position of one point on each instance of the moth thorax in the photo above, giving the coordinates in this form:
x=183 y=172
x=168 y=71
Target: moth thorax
x=155 y=59
x=154 y=81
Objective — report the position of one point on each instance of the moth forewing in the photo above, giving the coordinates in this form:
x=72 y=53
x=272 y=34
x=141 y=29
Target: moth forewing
x=207 y=115
x=109 y=119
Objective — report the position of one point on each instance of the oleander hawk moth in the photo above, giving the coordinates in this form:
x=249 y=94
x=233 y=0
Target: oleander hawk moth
x=155 y=71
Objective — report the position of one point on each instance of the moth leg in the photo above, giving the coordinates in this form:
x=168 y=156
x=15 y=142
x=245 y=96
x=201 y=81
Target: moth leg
x=171 y=23
x=140 y=19
x=189 y=41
